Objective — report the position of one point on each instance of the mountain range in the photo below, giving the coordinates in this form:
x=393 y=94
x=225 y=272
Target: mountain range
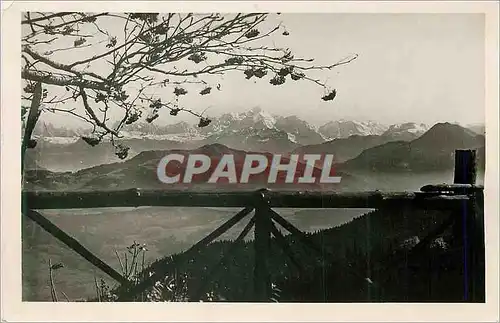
x=61 y=149
x=433 y=151
x=361 y=161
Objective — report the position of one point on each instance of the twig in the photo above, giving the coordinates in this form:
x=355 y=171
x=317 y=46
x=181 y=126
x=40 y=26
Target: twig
x=52 y=285
x=92 y=114
x=120 y=261
x=59 y=14
x=65 y=296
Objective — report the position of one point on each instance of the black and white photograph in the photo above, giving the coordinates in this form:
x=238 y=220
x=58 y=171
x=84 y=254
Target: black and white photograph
x=261 y=156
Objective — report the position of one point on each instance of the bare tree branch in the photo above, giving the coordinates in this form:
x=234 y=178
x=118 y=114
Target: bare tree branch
x=147 y=53
x=33 y=115
x=62 y=80
x=92 y=114
x=59 y=14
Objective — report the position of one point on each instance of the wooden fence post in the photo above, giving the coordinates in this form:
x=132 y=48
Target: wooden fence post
x=477 y=247
x=471 y=227
x=262 y=283
x=465 y=167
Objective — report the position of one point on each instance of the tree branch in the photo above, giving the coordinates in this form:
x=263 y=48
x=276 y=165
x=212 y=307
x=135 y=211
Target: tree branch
x=59 y=66
x=55 y=15
x=151 y=47
x=33 y=115
x=62 y=80
x=92 y=114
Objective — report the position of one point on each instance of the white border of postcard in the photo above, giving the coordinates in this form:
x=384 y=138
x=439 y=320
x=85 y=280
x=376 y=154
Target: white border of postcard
x=13 y=309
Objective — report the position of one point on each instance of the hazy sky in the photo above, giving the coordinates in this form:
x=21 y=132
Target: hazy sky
x=411 y=67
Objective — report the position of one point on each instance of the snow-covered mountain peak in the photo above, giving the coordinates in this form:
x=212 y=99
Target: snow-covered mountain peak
x=259 y=129
x=258 y=117
x=233 y=116
x=343 y=128
x=266 y=118
x=411 y=127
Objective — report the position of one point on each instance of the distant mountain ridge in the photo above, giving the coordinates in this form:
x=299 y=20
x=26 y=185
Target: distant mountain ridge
x=298 y=131
x=141 y=172
x=77 y=154
x=350 y=147
x=433 y=151
x=344 y=149
x=253 y=130
x=479 y=128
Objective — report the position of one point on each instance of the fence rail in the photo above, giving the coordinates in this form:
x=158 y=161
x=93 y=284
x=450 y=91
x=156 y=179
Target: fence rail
x=463 y=198
x=279 y=199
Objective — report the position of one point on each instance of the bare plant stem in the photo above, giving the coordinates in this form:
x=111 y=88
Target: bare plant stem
x=52 y=285
x=120 y=261
x=65 y=296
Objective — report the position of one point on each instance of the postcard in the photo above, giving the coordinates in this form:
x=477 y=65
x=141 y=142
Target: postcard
x=249 y=161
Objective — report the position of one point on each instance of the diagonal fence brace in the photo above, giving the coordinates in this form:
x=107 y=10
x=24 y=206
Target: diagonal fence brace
x=163 y=267
x=214 y=273
x=293 y=230
x=74 y=245
x=305 y=240
x=281 y=241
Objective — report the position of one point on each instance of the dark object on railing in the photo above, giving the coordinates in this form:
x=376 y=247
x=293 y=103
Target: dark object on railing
x=465 y=167
x=451 y=188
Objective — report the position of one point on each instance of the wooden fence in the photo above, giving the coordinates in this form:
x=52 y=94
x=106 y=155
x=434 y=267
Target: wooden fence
x=463 y=197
